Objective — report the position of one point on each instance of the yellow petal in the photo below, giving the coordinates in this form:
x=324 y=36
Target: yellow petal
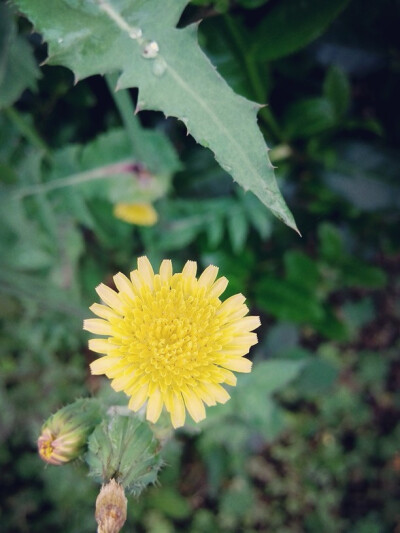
x=247 y=323
x=100 y=345
x=190 y=269
x=177 y=411
x=136 y=402
x=228 y=377
x=122 y=382
x=231 y=304
x=104 y=311
x=194 y=405
x=236 y=351
x=240 y=312
x=166 y=270
x=205 y=394
x=145 y=270
x=218 y=288
x=243 y=340
x=124 y=285
x=103 y=364
x=154 y=406
x=98 y=326
x=208 y=276
x=238 y=364
x=136 y=281
x=217 y=392
x=110 y=297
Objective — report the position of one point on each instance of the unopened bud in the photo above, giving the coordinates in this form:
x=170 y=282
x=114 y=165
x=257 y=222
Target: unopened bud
x=123 y=447
x=64 y=435
x=111 y=507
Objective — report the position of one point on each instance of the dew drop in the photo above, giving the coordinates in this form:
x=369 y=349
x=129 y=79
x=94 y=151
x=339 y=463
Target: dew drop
x=135 y=33
x=159 y=67
x=227 y=168
x=150 y=50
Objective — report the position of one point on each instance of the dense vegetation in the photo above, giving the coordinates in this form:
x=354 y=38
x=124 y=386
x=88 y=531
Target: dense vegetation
x=310 y=439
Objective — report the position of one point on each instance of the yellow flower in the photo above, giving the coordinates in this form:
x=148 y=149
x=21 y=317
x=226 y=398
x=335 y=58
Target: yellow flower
x=142 y=214
x=171 y=340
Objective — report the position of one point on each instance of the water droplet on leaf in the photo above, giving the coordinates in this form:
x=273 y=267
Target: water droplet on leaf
x=150 y=50
x=135 y=33
x=159 y=66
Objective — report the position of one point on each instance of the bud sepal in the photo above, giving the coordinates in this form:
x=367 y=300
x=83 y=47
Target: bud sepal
x=124 y=448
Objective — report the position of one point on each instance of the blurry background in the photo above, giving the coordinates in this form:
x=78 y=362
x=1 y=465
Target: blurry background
x=310 y=440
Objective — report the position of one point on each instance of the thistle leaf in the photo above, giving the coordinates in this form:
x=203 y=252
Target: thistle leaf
x=139 y=40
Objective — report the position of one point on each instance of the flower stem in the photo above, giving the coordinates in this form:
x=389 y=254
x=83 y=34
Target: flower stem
x=77 y=179
x=126 y=110
x=254 y=76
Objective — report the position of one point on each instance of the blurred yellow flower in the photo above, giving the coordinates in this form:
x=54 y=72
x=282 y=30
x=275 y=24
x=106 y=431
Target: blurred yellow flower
x=171 y=340
x=142 y=214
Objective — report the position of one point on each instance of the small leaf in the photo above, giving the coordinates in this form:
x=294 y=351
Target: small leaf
x=288 y=301
x=291 y=24
x=330 y=243
x=270 y=376
x=337 y=90
x=317 y=377
x=301 y=269
x=309 y=117
x=358 y=274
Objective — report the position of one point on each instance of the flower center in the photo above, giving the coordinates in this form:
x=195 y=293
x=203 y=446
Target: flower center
x=171 y=335
x=45 y=444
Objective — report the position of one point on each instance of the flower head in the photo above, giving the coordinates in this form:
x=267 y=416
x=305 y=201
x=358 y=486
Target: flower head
x=64 y=435
x=142 y=214
x=171 y=340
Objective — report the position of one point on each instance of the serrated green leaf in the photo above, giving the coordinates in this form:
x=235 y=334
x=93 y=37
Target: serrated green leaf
x=18 y=68
x=139 y=39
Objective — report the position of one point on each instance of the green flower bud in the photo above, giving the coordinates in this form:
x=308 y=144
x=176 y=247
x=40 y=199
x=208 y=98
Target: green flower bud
x=124 y=448
x=64 y=435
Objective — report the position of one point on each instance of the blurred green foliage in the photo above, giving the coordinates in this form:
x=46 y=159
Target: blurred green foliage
x=309 y=440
